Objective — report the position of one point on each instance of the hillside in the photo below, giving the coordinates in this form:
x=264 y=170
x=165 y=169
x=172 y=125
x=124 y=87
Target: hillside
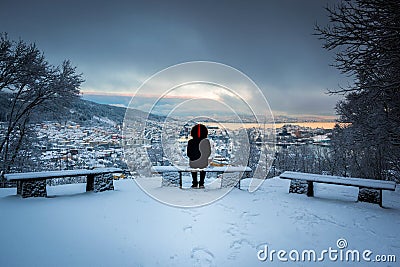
x=80 y=111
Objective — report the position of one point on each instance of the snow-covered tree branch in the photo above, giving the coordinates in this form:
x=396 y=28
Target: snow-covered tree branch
x=365 y=35
x=29 y=82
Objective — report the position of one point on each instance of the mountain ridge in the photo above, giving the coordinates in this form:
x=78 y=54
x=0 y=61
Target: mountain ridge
x=80 y=111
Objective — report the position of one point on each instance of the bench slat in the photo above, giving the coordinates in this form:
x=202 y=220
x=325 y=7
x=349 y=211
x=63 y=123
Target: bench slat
x=161 y=169
x=59 y=174
x=360 y=182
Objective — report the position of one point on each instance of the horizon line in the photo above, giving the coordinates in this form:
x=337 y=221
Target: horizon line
x=123 y=94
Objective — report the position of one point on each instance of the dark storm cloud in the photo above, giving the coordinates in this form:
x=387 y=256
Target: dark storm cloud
x=118 y=44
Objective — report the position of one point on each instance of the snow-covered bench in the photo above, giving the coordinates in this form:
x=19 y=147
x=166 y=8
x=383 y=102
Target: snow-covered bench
x=181 y=169
x=369 y=190
x=33 y=184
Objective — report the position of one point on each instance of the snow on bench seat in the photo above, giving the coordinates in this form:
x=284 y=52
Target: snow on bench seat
x=33 y=184
x=161 y=169
x=369 y=190
x=218 y=169
x=327 y=179
x=59 y=174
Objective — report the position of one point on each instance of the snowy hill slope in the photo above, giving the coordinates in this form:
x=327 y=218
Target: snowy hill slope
x=126 y=227
x=80 y=111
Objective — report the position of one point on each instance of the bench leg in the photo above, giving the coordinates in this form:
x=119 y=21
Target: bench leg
x=170 y=179
x=89 y=182
x=370 y=195
x=221 y=174
x=19 y=187
x=103 y=182
x=299 y=187
x=229 y=180
x=310 y=189
x=33 y=188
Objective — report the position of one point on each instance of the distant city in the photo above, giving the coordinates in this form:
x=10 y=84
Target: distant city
x=71 y=145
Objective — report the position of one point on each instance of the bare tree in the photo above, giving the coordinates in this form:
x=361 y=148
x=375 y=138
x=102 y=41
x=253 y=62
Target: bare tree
x=30 y=83
x=365 y=35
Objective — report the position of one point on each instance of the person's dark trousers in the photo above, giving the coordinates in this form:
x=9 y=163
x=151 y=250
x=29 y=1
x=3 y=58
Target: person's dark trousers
x=194 y=178
x=202 y=177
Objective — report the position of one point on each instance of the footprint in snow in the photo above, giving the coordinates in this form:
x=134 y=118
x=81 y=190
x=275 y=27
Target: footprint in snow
x=188 y=229
x=202 y=257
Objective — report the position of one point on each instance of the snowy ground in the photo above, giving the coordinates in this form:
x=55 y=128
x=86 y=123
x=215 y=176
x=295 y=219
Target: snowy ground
x=126 y=227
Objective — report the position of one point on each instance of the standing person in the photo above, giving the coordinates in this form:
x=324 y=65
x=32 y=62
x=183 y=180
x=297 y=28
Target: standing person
x=198 y=151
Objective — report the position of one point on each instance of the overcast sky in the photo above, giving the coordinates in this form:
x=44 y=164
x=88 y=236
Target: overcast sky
x=119 y=44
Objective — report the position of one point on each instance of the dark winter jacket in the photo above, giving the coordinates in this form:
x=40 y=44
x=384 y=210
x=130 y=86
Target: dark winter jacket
x=199 y=148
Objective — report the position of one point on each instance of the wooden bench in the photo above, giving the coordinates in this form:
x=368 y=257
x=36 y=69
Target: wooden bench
x=369 y=190
x=33 y=184
x=181 y=169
